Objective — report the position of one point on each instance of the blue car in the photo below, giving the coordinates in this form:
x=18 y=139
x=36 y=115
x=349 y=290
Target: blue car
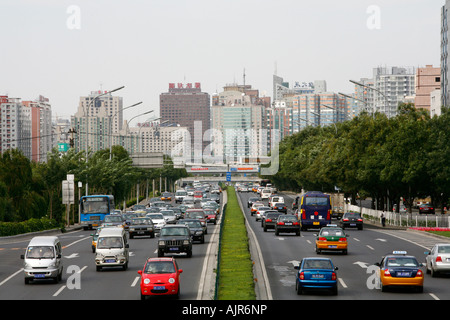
x=316 y=273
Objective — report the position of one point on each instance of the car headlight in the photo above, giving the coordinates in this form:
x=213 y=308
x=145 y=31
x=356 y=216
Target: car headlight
x=161 y=242
x=186 y=242
x=198 y=233
x=171 y=280
x=131 y=229
x=146 y=281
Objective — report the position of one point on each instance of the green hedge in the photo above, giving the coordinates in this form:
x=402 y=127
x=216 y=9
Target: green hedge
x=32 y=225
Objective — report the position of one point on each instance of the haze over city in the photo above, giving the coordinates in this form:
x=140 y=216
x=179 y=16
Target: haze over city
x=65 y=49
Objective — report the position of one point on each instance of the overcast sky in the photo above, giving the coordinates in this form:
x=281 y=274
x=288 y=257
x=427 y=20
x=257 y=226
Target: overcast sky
x=65 y=49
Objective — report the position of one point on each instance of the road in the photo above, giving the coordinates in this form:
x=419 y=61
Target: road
x=356 y=276
x=88 y=284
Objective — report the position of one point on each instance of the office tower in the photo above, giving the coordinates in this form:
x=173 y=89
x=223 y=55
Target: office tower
x=238 y=122
x=97 y=119
x=445 y=63
x=188 y=106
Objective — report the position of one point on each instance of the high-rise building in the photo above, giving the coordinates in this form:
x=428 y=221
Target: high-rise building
x=428 y=79
x=27 y=126
x=97 y=119
x=238 y=122
x=188 y=106
x=445 y=63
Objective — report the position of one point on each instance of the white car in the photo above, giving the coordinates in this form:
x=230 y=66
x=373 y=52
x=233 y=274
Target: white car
x=438 y=259
x=260 y=212
x=180 y=195
x=266 y=193
x=158 y=220
x=274 y=200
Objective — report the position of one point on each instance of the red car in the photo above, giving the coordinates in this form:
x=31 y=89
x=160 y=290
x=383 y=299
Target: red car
x=160 y=277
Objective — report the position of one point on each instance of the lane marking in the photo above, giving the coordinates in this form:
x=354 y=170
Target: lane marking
x=434 y=296
x=342 y=283
x=370 y=247
x=135 y=281
x=11 y=276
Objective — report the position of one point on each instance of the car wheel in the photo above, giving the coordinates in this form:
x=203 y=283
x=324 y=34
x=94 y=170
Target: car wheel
x=189 y=253
x=160 y=253
x=434 y=273
x=335 y=291
x=318 y=250
x=277 y=233
x=298 y=288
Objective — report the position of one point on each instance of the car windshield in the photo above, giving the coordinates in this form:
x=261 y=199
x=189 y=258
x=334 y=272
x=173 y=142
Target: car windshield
x=109 y=242
x=193 y=224
x=153 y=267
x=352 y=215
x=332 y=232
x=167 y=213
x=141 y=221
x=174 y=232
x=287 y=218
x=443 y=249
x=113 y=218
x=317 y=264
x=40 y=252
x=195 y=215
x=401 y=262
x=155 y=216
x=316 y=201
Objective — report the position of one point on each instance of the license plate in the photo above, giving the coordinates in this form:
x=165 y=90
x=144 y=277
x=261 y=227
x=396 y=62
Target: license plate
x=159 y=288
x=141 y=232
x=316 y=223
x=39 y=275
x=332 y=247
x=173 y=249
x=353 y=224
x=317 y=276
x=288 y=223
x=110 y=260
x=404 y=274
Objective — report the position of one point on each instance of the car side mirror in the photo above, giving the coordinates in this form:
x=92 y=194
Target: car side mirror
x=377 y=264
x=180 y=271
x=140 y=272
x=127 y=246
x=336 y=268
x=427 y=252
x=22 y=256
x=297 y=267
x=59 y=256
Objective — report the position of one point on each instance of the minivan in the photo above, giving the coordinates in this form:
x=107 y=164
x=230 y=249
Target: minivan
x=42 y=259
x=112 y=248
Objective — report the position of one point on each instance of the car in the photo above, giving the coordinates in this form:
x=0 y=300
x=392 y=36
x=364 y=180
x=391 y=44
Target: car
x=160 y=204
x=169 y=215
x=280 y=206
x=400 y=270
x=266 y=193
x=287 y=224
x=180 y=195
x=198 y=195
x=189 y=202
x=112 y=249
x=252 y=200
x=275 y=199
x=270 y=220
x=138 y=207
x=114 y=220
x=196 y=229
x=438 y=259
x=260 y=212
x=331 y=237
x=425 y=208
x=141 y=227
x=197 y=214
x=175 y=239
x=351 y=220
x=215 y=197
x=211 y=215
x=255 y=207
x=157 y=219
x=166 y=196
x=316 y=273
x=160 y=277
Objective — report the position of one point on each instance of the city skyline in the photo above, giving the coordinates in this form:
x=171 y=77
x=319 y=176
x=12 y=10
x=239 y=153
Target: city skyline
x=66 y=49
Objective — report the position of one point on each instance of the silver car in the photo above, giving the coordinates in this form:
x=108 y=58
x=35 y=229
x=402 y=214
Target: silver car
x=438 y=259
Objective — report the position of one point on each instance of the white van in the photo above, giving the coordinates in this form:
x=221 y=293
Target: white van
x=274 y=200
x=42 y=259
x=112 y=249
x=266 y=193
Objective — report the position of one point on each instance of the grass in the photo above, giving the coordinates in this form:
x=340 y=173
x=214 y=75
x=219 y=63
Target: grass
x=235 y=265
x=441 y=233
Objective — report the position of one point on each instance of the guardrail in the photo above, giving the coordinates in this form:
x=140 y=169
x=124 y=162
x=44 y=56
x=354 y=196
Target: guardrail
x=402 y=219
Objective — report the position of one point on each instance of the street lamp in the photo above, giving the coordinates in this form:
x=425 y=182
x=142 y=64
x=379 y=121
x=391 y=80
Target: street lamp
x=128 y=122
x=374 y=89
x=86 y=113
x=110 y=126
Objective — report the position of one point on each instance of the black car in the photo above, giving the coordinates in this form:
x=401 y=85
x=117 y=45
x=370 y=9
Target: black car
x=287 y=223
x=270 y=219
x=175 y=239
x=141 y=227
x=425 y=208
x=351 y=220
x=196 y=229
x=251 y=200
x=280 y=206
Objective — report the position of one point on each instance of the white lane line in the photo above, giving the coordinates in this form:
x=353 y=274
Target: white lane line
x=70 y=244
x=434 y=296
x=342 y=283
x=135 y=281
x=11 y=276
x=63 y=287
x=370 y=247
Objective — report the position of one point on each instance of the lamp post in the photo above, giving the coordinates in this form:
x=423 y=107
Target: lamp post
x=128 y=122
x=86 y=113
x=374 y=89
x=110 y=127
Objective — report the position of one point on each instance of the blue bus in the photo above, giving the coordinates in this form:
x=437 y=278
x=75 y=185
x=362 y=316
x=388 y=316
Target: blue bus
x=94 y=208
x=314 y=210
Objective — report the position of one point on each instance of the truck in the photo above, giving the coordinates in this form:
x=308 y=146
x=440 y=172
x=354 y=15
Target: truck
x=337 y=205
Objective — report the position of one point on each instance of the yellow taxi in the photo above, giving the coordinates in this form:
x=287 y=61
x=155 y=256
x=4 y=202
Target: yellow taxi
x=400 y=269
x=166 y=196
x=331 y=238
